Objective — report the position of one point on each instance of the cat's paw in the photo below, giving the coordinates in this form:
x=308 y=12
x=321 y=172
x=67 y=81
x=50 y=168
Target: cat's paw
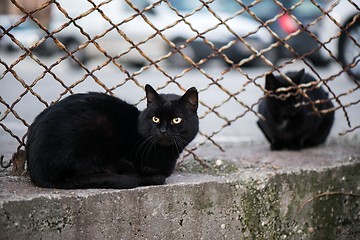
x=295 y=147
x=276 y=147
x=152 y=180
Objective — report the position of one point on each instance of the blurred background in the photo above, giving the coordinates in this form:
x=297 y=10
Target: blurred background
x=50 y=49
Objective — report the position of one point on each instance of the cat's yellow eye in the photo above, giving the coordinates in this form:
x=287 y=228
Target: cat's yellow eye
x=176 y=120
x=156 y=119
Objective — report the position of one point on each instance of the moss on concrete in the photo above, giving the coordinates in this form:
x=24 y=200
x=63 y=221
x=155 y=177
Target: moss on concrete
x=238 y=205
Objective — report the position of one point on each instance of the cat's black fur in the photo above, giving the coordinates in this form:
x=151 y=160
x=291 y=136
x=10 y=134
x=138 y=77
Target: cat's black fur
x=289 y=127
x=94 y=140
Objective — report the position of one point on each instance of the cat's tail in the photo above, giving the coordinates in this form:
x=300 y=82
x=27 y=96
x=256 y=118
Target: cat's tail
x=100 y=180
x=106 y=181
x=321 y=134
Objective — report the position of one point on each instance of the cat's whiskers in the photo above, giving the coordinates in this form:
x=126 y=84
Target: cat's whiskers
x=141 y=144
x=145 y=148
x=179 y=142
x=147 y=145
x=175 y=141
x=150 y=148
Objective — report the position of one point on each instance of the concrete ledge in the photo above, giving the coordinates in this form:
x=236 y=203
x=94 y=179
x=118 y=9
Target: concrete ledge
x=262 y=196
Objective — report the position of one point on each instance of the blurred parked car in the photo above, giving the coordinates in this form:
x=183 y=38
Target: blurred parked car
x=238 y=28
x=305 y=11
x=26 y=33
x=342 y=35
x=136 y=39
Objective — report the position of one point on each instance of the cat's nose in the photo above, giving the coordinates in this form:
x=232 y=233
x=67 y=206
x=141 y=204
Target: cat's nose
x=163 y=131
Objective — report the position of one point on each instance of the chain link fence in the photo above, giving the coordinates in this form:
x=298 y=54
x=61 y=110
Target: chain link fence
x=50 y=49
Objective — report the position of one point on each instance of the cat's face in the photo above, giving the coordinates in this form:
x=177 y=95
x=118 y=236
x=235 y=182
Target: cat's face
x=284 y=102
x=169 y=119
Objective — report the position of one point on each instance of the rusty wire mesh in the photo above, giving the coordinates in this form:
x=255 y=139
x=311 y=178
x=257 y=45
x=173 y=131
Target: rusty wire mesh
x=165 y=48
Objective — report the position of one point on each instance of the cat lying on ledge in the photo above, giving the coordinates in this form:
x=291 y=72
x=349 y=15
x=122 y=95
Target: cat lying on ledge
x=94 y=140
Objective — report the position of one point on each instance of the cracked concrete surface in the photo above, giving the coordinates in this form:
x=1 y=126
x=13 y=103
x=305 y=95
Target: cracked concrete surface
x=262 y=195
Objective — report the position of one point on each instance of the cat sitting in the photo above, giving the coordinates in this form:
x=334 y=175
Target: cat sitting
x=287 y=126
x=94 y=140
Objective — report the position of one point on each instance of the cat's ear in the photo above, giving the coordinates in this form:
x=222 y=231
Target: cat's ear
x=151 y=94
x=270 y=82
x=191 y=98
x=299 y=76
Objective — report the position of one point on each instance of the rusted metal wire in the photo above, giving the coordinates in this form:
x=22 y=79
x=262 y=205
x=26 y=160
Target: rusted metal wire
x=210 y=80
x=2 y=164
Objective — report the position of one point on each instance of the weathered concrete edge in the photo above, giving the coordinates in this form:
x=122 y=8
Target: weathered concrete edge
x=245 y=205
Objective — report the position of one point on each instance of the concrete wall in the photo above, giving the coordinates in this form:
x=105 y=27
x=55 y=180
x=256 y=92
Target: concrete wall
x=246 y=204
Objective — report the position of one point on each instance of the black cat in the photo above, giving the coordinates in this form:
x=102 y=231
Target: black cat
x=94 y=140
x=290 y=127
